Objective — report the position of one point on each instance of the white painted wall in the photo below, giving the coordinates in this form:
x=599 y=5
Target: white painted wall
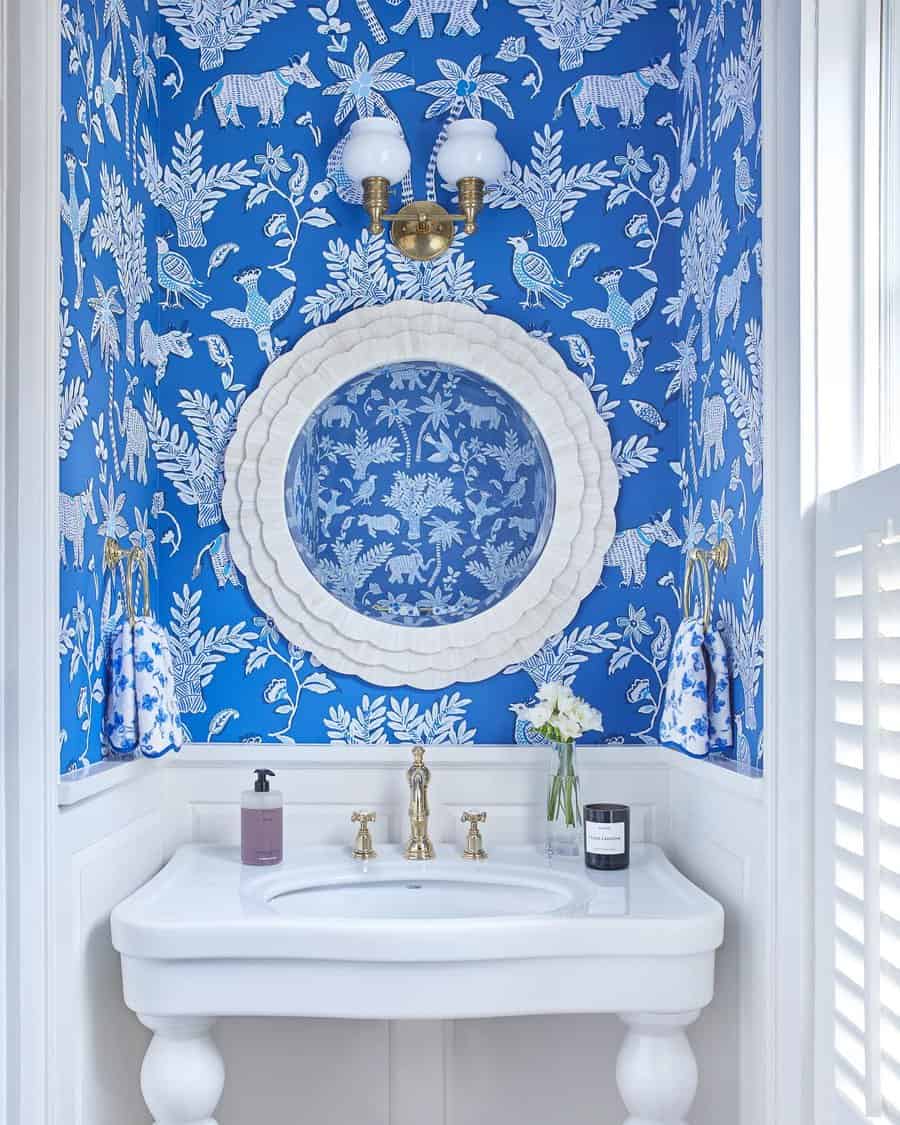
x=521 y=1071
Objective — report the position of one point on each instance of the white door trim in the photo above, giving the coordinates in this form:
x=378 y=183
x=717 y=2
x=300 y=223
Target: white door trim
x=789 y=494
x=29 y=597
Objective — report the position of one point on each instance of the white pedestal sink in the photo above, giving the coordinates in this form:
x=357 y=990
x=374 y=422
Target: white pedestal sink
x=325 y=935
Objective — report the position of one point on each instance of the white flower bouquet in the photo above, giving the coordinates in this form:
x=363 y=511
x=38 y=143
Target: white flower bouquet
x=559 y=714
x=561 y=717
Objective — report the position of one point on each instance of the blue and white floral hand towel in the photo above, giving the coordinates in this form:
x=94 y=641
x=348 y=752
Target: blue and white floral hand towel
x=141 y=709
x=696 y=716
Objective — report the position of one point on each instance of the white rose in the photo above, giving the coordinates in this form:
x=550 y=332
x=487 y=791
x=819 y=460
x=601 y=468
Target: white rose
x=567 y=727
x=549 y=693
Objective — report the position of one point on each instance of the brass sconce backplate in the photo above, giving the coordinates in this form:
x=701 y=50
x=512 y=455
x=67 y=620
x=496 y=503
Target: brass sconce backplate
x=422 y=231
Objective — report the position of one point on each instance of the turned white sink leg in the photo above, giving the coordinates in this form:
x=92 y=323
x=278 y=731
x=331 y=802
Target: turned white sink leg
x=656 y=1069
x=183 y=1074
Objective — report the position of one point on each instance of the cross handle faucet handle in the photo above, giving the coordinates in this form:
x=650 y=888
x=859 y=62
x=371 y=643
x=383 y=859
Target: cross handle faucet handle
x=363 y=848
x=474 y=843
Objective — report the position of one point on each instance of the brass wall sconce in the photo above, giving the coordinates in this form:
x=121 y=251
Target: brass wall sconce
x=376 y=156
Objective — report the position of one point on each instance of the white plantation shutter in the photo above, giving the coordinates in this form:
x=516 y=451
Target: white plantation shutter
x=858 y=802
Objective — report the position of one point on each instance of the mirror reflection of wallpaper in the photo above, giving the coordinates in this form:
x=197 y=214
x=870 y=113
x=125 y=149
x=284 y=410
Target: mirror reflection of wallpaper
x=627 y=234
x=419 y=494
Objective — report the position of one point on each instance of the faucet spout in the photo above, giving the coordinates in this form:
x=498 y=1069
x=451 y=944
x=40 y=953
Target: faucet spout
x=418 y=775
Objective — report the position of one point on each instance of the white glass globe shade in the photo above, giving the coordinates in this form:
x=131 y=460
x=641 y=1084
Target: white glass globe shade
x=471 y=149
x=375 y=147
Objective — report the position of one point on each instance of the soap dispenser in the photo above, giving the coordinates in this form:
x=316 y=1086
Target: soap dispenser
x=262 y=826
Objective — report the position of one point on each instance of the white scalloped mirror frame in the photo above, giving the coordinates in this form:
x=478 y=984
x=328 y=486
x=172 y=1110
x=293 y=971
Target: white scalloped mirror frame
x=384 y=653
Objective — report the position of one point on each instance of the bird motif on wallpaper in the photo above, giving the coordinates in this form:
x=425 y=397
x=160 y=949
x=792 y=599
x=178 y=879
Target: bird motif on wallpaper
x=75 y=216
x=744 y=195
x=107 y=90
x=259 y=315
x=535 y=275
x=175 y=276
x=364 y=493
x=581 y=353
x=620 y=315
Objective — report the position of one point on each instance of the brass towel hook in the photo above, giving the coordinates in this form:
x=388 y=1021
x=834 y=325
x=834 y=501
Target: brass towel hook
x=717 y=557
x=114 y=554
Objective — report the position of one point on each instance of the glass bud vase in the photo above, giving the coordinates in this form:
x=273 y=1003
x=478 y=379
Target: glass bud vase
x=563 y=801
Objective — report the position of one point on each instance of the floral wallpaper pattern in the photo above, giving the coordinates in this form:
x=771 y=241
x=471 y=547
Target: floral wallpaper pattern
x=207 y=224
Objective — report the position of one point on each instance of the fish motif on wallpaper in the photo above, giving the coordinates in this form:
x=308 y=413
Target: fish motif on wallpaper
x=633 y=133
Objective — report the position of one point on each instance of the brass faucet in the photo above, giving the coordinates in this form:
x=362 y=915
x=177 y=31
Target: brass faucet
x=418 y=775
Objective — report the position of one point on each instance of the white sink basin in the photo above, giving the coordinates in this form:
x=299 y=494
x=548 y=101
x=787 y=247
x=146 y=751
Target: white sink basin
x=412 y=894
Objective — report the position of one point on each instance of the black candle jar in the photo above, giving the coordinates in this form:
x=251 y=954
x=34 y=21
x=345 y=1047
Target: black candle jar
x=607 y=836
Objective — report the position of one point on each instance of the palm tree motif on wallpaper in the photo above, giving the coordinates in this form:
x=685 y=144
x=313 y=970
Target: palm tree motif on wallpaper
x=547 y=191
x=442 y=535
x=189 y=194
x=195 y=469
x=119 y=230
x=359 y=277
x=573 y=27
x=196 y=655
x=459 y=90
x=691 y=85
x=362 y=87
x=702 y=247
x=105 y=327
x=737 y=83
x=373 y=723
x=144 y=69
x=216 y=26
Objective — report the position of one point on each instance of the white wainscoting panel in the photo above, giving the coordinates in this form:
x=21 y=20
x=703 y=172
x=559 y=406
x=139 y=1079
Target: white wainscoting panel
x=107 y=846
x=510 y=1072
x=718 y=838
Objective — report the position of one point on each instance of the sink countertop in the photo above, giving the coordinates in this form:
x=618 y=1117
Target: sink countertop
x=205 y=904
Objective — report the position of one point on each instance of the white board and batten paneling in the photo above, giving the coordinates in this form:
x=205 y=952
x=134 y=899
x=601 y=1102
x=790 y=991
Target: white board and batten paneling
x=519 y=1071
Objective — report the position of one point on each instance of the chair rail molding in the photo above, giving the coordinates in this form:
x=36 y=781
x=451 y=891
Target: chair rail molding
x=29 y=600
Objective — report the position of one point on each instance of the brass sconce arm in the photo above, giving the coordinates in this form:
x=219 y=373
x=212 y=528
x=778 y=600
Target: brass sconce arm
x=422 y=230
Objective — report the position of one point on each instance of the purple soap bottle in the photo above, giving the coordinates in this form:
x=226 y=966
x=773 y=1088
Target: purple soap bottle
x=262 y=823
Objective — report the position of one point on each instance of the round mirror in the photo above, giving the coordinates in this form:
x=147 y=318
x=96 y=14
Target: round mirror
x=419 y=493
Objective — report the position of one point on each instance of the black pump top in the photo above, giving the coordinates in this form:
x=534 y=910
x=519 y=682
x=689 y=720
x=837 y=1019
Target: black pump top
x=262 y=780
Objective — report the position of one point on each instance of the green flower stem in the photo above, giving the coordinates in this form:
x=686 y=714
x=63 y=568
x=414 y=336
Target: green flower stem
x=563 y=798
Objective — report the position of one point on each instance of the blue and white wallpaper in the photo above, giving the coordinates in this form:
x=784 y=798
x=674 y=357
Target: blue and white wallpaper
x=206 y=225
